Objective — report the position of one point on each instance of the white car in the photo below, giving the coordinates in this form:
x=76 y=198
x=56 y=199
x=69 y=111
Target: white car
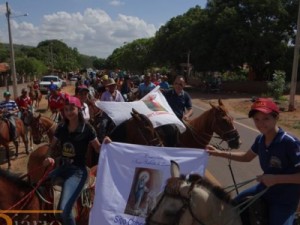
x=46 y=81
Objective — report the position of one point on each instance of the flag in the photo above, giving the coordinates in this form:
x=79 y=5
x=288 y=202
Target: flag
x=154 y=105
x=130 y=177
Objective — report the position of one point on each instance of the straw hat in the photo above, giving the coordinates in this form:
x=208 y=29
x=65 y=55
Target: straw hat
x=110 y=81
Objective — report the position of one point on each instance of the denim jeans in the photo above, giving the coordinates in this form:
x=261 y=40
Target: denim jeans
x=74 y=178
x=279 y=214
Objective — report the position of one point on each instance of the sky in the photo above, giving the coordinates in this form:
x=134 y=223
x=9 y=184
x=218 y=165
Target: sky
x=94 y=27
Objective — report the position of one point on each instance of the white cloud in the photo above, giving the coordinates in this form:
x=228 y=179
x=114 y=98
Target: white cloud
x=116 y=3
x=92 y=32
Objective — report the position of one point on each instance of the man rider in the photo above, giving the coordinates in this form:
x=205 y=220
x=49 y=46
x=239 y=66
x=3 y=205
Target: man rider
x=24 y=101
x=10 y=109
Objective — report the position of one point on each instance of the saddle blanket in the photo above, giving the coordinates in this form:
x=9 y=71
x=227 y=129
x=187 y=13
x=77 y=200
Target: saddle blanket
x=153 y=105
x=130 y=177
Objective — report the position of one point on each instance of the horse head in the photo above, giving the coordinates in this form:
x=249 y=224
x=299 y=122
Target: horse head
x=190 y=200
x=222 y=124
x=145 y=129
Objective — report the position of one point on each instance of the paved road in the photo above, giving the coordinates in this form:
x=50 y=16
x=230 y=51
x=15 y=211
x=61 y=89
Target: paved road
x=219 y=166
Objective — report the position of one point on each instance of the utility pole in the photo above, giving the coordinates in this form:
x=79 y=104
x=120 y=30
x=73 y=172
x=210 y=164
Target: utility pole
x=12 y=54
x=295 y=66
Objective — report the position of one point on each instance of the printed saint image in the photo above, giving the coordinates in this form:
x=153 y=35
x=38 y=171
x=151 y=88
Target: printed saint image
x=145 y=187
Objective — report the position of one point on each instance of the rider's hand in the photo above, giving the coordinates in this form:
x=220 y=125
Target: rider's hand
x=186 y=118
x=48 y=161
x=106 y=140
x=211 y=150
x=267 y=179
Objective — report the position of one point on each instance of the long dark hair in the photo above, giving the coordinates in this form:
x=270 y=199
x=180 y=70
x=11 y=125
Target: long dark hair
x=80 y=117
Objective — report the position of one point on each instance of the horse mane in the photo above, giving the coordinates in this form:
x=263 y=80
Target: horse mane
x=174 y=183
x=14 y=178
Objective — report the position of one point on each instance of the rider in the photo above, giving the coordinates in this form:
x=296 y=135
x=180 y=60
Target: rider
x=145 y=87
x=10 y=109
x=56 y=101
x=279 y=156
x=74 y=136
x=36 y=88
x=23 y=101
x=82 y=94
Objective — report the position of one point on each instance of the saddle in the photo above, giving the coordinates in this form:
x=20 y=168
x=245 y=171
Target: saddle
x=53 y=193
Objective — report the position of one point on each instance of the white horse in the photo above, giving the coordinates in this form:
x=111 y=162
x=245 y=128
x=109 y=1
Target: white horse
x=192 y=201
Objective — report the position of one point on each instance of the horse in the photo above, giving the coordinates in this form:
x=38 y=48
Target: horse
x=35 y=95
x=40 y=126
x=5 y=136
x=192 y=201
x=200 y=129
x=143 y=133
x=19 y=195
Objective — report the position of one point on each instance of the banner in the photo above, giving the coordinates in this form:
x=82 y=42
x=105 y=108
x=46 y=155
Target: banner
x=153 y=105
x=130 y=177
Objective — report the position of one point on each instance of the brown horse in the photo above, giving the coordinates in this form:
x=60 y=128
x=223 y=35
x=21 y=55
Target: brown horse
x=36 y=96
x=201 y=129
x=19 y=195
x=5 y=138
x=192 y=201
x=40 y=126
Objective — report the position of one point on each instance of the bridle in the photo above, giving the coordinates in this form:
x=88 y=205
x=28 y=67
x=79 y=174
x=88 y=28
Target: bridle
x=173 y=191
x=40 y=128
x=204 y=137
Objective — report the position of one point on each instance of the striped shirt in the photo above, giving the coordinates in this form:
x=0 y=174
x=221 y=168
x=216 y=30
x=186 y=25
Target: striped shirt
x=8 y=105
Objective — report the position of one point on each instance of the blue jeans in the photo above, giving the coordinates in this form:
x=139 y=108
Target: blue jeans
x=279 y=214
x=74 y=179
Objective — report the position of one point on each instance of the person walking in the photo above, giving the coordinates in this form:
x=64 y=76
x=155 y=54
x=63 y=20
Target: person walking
x=279 y=157
x=74 y=136
x=83 y=93
x=179 y=100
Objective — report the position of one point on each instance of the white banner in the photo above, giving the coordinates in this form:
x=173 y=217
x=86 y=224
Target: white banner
x=153 y=105
x=130 y=177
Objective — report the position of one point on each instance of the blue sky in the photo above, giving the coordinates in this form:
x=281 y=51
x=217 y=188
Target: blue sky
x=94 y=27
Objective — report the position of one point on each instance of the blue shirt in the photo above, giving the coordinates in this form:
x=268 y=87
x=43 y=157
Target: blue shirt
x=8 y=105
x=145 y=89
x=178 y=103
x=282 y=156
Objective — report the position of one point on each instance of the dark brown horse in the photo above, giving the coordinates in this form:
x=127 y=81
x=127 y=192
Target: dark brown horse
x=200 y=130
x=5 y=137
x=36 y=96
x=18 y=195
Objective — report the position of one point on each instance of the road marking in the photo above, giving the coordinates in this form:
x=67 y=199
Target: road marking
x=241 y=124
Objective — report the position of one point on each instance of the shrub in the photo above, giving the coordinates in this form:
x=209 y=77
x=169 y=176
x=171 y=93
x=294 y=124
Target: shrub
x=276 y=87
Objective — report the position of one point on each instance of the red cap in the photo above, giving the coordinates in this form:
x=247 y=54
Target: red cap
x=74 y=101
x=83 y=88
x=264 y=105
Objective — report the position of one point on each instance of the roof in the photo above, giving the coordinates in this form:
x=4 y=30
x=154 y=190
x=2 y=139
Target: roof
x=4 y=67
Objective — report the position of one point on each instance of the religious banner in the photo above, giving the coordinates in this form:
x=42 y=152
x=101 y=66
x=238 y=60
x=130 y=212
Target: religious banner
x=130 y=177
x=153 y=105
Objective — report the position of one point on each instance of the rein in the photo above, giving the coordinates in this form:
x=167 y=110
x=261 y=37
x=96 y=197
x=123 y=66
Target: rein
x=30 y=194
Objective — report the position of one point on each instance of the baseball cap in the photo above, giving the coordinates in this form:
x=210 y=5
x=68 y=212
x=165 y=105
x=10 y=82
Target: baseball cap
x=6 y=93
x=73 y=101
x=264 y=105
x=83 y=88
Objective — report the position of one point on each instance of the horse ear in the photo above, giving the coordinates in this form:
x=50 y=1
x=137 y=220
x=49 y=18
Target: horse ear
x=134 y=111
x=175 y=169
x=220 y=102
x=212 y=105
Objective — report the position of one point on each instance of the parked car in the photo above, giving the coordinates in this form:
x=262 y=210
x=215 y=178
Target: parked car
x=46 y=81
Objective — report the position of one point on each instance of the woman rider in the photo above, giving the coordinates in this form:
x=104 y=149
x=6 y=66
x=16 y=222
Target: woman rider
x=74 y=136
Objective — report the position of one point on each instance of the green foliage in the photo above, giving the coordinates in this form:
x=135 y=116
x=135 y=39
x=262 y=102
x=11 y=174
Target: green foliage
x=30 y=66
x=276 y=87
x=240 y=74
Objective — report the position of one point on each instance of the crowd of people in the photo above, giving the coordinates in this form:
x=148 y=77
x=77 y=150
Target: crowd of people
x=278 y=152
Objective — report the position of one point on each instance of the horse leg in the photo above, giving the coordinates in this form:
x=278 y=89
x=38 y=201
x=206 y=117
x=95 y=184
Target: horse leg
x=16 y=143
x=25 y=139
x=6 y=146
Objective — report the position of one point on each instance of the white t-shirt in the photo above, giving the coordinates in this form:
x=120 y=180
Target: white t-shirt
x=86 y=112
